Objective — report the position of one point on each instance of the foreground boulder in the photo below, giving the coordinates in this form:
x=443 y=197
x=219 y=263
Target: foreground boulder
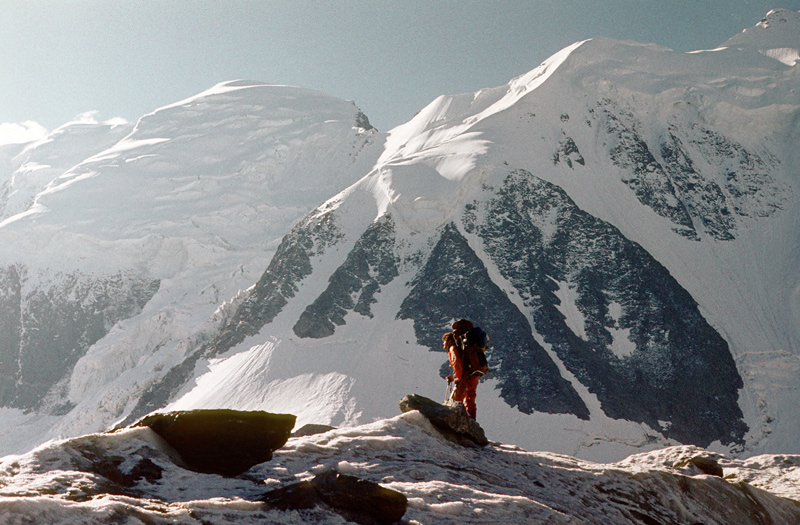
x=453 y=422
x=356 y=499
x=705 y=464
x=225 y=442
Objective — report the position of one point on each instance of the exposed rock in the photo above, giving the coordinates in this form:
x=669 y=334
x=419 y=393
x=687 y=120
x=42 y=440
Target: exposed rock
x=706 y=465
x=446 y=288
x=356 y=495
x=225 y=442
x=371 y=264
x=550 y=250
x=453 y=422
x=693 y=175
x=311 y=429
x=297 y=496
x=568 y=152
x=48 y=321
x=357 y=499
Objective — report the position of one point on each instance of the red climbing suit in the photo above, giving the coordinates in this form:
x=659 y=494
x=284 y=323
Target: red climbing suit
x=466 y=387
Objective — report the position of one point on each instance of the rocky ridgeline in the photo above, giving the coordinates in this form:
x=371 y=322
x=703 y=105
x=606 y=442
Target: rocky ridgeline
x=230 y=442
x=432 y=464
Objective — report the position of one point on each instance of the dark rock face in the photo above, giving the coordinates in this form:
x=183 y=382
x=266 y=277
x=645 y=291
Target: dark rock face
x=290 y=265
x=568 y=153
x=224 y=442
x=453 y=422
x=666 y=174
x=678 y=369
x=642 y=172
x=47 y=327
x=705 y=464
x=355 y=495
x=297 y=496
x=311 y=429
x=356 y=499
x=371 y=264
x=454 y=283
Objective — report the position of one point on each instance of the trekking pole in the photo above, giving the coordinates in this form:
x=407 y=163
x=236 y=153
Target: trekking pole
x=447 y=392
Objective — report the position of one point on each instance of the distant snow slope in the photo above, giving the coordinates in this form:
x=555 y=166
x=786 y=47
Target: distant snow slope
x=186 y=206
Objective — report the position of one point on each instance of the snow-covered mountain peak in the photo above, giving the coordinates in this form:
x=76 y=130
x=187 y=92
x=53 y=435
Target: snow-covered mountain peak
x=620 y=219
x=448 y=117
x=177 y=213
x=190 y=158
x=776 y=36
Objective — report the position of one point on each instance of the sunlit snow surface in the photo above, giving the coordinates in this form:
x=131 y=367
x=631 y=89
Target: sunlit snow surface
x=71 y=482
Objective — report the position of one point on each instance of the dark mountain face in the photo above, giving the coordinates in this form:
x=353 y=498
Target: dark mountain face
x=695 y=176
x=46 y=328
x=680 y=371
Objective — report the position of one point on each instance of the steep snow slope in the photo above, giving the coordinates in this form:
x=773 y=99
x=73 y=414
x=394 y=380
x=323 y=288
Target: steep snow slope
x=527 y=208
x=132 y=476
x=176 y=214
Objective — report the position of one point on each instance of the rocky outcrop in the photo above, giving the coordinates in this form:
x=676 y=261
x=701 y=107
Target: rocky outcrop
x=225 y=442
x=453 y=422
x=611 y=313
x=371 y=264
x=356 y=499
x=706 y=464
x=311 y=429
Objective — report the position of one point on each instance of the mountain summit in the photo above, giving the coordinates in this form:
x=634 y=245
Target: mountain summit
x=775 y=36
x=621 y=220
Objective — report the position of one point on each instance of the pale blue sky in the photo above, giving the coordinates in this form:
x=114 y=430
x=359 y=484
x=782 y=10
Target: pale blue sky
x=61 y=58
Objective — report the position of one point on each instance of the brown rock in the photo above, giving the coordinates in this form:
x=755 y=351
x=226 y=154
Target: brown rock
x=453 y=422
x=225 y=442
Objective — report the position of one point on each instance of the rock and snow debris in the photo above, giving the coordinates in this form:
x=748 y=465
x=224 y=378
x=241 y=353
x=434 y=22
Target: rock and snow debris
x=130 y=474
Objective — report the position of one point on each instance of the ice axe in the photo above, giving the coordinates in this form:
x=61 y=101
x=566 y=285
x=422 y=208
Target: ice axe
x=448 y=393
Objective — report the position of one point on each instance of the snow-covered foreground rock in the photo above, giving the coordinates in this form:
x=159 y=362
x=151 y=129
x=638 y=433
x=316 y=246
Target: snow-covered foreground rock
x=130 y=476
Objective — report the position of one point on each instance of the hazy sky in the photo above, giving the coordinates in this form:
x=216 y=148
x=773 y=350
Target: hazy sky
x=61 y=58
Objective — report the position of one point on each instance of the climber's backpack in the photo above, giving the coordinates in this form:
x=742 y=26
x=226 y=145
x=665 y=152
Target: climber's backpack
x=473 y=343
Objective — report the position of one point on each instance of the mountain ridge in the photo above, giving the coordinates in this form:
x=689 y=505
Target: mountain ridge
x=647 y=197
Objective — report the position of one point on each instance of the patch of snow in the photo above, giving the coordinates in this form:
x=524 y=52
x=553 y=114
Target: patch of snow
x=567 y=295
